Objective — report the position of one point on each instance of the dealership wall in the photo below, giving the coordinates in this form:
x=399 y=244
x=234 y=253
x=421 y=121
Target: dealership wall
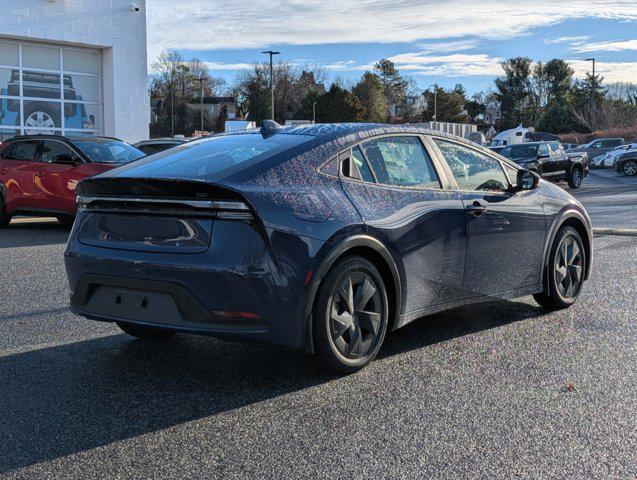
x=109 y=25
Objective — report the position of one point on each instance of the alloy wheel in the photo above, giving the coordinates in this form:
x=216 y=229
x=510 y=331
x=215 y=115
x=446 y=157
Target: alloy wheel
x=630 y=168
x=577 y=177
x=568 y=267
x=356 y=315
x=39 y=119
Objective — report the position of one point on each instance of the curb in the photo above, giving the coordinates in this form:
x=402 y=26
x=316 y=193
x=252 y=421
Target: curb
x=623 y=232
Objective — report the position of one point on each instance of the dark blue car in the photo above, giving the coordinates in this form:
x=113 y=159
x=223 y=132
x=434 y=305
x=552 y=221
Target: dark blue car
x=320 y=237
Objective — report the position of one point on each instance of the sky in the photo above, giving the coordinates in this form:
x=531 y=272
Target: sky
x=434 y=42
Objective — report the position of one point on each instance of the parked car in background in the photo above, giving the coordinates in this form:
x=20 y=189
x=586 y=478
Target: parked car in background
x=158 y=144
x=549 y=160
x=39 y=173
x=597 y=147
x=569 y=146
x=626 y=163
x=320 y=237
x=608 y=160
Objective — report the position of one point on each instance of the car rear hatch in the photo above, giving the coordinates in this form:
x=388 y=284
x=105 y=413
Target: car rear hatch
x=154 y=215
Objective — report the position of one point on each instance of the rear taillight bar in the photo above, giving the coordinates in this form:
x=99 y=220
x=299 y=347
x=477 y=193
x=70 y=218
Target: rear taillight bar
x=218 y=208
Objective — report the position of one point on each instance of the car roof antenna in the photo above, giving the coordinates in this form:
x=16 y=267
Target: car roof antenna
x=269 y=127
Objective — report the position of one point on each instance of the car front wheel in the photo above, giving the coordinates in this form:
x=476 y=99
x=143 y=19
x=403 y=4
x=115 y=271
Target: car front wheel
x=350 y=315
x=566 y=270
x=630 y=167
x=575 y=178
x=145 y=333
x=4 y=217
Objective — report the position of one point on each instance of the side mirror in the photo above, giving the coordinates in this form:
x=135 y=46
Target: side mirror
x=526 y=180
x=64 y=159
x=543 y=155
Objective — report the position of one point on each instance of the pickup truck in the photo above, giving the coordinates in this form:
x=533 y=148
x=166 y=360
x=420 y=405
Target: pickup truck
x=549 y=160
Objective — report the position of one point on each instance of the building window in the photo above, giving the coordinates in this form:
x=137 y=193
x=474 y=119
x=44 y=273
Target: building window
x=49 y=89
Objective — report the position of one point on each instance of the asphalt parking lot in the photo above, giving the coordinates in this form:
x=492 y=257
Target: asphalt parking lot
x=494 y=390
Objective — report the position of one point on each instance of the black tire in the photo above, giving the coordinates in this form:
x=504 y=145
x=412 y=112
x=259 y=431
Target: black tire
x=4 y=217
x=66 y=220
x=629 y=167
x=559 y=296
x=575 y=177
x=145 y=333
x=349 y=327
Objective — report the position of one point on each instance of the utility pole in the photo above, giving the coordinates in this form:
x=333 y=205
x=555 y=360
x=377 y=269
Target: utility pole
x=435 y=85
x=314 y=112
x=271 y=53
x=593 y=115
x=201 y=79
x=172 y=103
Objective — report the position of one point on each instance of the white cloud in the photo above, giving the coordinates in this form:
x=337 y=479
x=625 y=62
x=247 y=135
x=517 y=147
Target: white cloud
x=449 y=46
x=348 y=65
x=617 y=46
x=454 y=65
x=219 y=24
x=611 y=71
x=227 y=66
x=578 y=40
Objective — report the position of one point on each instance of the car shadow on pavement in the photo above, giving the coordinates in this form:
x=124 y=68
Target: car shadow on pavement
x=75 y=397
x=33 y=234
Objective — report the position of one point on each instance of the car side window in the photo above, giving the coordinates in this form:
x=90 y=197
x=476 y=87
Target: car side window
x=401 y=161
x=360 y=164
x=511 y=173
x=543 y=149
x=6 y=152
x=52 y=149
x=25 y=150
x=596 y=145
x=471 y=169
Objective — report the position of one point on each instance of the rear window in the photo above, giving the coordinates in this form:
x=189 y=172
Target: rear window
x=110 y=151
x=216 y=156
x=519 y=151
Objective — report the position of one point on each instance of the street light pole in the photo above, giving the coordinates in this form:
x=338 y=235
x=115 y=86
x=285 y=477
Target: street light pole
x=314 y=112
x=172 y=103
x=271 y=53
x=592 y=91
x=201 y=88
x=435 y=85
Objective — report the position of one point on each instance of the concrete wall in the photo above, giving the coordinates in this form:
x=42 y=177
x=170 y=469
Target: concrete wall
x=106 y=24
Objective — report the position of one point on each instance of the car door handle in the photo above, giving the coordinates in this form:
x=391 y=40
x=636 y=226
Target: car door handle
x=476 y=209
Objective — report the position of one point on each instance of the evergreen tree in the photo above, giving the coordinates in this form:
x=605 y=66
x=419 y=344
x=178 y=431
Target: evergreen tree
x=338 y=105
x=514 y=92
x=370 y=94
x=394 y=86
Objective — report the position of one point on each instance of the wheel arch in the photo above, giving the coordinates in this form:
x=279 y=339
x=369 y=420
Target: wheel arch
x=372 y=250
x=571 y=218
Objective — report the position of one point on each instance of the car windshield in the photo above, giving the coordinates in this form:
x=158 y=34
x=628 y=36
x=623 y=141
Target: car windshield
x=109 y=151
x=519 y=151
x=216 y=156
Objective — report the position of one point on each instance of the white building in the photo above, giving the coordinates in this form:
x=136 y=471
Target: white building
x=74 y=67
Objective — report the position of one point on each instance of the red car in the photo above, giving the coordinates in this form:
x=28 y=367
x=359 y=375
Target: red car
x=39 y=173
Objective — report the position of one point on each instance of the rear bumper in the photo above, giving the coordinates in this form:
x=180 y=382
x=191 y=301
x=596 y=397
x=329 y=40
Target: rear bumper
x=163 y=305
x=236 y=288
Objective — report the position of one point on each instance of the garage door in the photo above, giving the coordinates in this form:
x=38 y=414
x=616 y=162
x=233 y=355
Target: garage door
x=49 y=89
